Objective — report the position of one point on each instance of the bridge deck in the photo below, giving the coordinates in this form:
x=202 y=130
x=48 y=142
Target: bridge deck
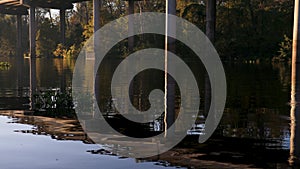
x=12 y=7
x=15 y=7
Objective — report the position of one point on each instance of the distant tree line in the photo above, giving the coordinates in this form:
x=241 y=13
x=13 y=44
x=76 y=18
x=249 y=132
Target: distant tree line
x=245 y=29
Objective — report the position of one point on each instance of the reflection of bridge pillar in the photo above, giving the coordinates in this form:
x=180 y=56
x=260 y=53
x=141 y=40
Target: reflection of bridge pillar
x=32 y=78
x=295 y=92
x=62 y=15
x=130 y=24
x=32 y=31
x=63 y=82
x=295 y=119
x=169 y=83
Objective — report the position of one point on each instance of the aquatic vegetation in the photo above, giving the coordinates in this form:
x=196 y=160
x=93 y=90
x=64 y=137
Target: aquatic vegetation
x=54 y=103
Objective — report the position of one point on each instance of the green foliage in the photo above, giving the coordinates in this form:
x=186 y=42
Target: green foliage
x=62 y=51
x=285 y=50
x=195 y=13
x=46 y=38
x=245 y=29
x=88 y=30
x=5 y=65
x=252 y=28
x=7 y=35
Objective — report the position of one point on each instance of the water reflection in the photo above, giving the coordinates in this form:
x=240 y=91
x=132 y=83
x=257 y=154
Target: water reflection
x=32 y=81
x=21 y=150
x=25 y=76
x=256 y=112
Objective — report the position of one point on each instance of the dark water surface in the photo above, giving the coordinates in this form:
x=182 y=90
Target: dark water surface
x=255 y=124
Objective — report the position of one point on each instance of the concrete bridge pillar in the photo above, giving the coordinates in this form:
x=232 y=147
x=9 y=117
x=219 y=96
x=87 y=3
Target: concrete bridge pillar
x=32 y=45
x=210 y=33
x=130 y=24
x=62 y=15
x=211 y=19
x=295 y=91
x=19 y=55
x=169 y=82
x=19 y=36
x=32 y=32
x=96 y=13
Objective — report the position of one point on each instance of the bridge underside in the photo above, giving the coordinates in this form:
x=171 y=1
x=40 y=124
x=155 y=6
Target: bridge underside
x=20 y=7
x=12 y=7
x=53 y=4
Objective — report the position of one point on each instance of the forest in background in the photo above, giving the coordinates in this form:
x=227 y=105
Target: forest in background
x=245 y=29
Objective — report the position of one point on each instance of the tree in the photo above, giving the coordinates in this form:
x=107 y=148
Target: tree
x=47 y=38
x=7 y=35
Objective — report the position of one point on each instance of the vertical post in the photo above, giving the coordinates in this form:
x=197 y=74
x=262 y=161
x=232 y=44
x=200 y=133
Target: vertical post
x=169 y=83
x=32 y=31
x=295 y=116
x=19 y=54
x=295 y=91
x=32 y=79
x=211 y=19
x=32 y=38
x=210 y=33
x=96 y=12
x=131 y=45
x=19 y=35
x=62 y=14
x=130 y=24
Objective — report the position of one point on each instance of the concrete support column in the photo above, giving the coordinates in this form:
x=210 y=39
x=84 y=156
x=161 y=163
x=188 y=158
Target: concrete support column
x=32 y=45
x=32 y=32
x=211 y=19
x=96 y=12
x=169 y=82
x=210 y=33
x=19 y=55
x=295 y=92
x=19 y=36
x=62 y=14
x=130 y=24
